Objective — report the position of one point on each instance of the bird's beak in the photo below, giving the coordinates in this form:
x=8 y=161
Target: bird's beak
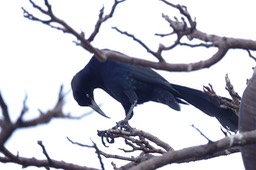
x=96 y=108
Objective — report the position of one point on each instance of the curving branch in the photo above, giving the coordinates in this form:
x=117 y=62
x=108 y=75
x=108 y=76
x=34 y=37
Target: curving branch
x=184 y=28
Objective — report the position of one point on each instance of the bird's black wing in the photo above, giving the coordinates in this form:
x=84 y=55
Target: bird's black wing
x=197 y=98
x=149 y=76
x=157 y=88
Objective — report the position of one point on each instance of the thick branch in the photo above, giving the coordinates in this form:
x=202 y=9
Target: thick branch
x=116 y=56
x=231 y=43
x=198 y=151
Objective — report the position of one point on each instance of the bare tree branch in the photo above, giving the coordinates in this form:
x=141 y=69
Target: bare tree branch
x=99 y=155
x=129 y=134
x=183 y=10
x=206 y=45
x=250 y=55
x=225 y=102
x=7 y=127
x=107 y=155
x=26 y=162
x=40 y=143
x=116 y=56
x=136 y=139
x=180 y=29
x=23 y=111
x=156 y=54
x=201 y=133
x=102 y=19
x=196 y=151
x=66 y=28
x=4 y=108
x=98 y=152
x=230 y=88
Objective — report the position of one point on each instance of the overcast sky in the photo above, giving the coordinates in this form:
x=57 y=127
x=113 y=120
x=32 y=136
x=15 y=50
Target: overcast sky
x=36 y=60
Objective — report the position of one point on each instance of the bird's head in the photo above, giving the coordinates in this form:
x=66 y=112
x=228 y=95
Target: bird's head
x=83 y=93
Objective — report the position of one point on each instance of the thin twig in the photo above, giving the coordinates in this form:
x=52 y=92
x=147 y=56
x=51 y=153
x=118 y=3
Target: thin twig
x=23 y=111
x=79 y=144
x=156 y=54
x=230 y=88
x=106 y=155
x=40 y=143
x=99 y=155
x=102 y=19
x=4 y=109
x=98 y=152
x=250 y=55
x=201 y=133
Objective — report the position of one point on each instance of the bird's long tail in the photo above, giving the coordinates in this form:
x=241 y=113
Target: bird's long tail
x=208 y=105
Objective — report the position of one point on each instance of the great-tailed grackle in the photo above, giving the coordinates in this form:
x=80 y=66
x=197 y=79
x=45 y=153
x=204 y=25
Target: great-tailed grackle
x=131 y=85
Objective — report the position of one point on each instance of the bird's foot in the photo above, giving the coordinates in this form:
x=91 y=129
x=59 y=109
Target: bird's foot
x=123 y=125
x=106 y=136
x=109 y=135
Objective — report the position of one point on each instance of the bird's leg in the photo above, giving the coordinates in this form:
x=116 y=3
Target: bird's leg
x=129 y=113
x=124 y=124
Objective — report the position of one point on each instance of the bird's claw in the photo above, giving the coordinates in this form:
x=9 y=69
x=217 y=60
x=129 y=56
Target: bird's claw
x=110 y=135
x=123 y=125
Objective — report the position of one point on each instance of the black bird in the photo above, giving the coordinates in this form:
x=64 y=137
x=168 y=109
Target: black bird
x=131 y=85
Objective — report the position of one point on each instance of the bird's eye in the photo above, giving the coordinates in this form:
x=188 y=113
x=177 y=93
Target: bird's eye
x=87 y=95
